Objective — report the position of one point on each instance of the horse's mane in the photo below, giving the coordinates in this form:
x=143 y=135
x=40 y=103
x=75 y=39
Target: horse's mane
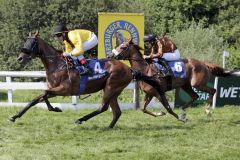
x=138 y=48
x=51 y=46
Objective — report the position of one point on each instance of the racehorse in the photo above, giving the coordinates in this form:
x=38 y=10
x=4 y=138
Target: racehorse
x=197 y=76
x=64 y=80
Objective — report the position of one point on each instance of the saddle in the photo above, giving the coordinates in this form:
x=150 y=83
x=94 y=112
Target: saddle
x=95 y=67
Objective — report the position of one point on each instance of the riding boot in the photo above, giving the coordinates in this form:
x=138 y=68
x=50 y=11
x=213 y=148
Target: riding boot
x=85 y=69
x=164 y=63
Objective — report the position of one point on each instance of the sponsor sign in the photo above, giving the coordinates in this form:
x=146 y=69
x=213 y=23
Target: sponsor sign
x=181 y=97
x=115 y=28
x=228 y=91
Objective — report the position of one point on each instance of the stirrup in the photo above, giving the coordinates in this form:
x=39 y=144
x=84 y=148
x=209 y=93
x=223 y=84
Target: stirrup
x=168 y=74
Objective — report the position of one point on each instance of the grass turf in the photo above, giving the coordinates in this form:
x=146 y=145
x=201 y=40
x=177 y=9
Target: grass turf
x=43 y=135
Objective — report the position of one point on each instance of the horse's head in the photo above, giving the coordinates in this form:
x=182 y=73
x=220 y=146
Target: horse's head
x=120 y=39
x=30 y=48
x=125 y=50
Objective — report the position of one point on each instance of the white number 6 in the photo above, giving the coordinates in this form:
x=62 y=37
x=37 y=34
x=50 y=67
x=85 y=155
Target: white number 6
x=178 y=67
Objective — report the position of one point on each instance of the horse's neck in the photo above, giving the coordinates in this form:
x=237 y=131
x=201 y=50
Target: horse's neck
x=49 y=56
x=138 y=62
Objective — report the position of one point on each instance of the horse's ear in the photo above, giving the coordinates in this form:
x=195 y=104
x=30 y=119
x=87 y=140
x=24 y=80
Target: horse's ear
x=164 y=34
x=130 y=40
x=36 y=33
x=30 y=34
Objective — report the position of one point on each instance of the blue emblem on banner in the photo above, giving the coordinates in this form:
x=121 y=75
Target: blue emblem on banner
x=116 y=26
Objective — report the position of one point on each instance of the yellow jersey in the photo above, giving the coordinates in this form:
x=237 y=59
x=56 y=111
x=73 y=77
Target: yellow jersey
x=77 y=37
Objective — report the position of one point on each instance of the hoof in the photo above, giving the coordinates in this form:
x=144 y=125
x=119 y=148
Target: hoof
x=183 y=117
x=57 y=109
x=160 y=114
x=78 y=121
x=12 y=119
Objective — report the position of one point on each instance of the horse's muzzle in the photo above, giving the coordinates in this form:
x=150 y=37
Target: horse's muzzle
x=23 y=58
x=20 y=60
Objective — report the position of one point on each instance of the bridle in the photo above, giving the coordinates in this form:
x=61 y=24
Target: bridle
x=31 y=47
x=120 y=55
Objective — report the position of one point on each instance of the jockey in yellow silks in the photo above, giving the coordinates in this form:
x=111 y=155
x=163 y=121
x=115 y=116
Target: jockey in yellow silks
x=76 y=42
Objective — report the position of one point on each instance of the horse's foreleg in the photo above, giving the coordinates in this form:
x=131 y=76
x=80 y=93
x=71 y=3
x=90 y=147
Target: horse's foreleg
x=147 y=100
x=50 y=107
x=166 y=105
x=24 y=110
x=53 y=92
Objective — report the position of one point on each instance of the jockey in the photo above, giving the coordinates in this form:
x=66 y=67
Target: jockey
x=76 y=42
x=162 y=50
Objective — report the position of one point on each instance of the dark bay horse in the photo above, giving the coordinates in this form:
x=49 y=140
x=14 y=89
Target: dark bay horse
x=197 y=75
x=64 y=80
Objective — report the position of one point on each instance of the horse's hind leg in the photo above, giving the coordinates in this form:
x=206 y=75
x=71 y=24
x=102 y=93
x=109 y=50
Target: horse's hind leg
x=115 y=110
x=147 y=100
x=194 y=96
x=211 y=92
x=105 y=103
x=101 y=109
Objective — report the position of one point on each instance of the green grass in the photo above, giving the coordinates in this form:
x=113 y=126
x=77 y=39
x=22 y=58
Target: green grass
x=43 y=135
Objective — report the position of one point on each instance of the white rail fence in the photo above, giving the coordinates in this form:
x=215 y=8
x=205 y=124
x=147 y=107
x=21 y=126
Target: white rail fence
x=10 y=86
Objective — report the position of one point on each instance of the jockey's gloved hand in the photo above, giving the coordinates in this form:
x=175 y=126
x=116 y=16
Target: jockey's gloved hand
x=146 y=57
x=66 y=54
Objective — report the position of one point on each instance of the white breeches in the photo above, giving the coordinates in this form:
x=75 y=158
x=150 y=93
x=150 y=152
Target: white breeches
x=92 y=42
x=172 y=56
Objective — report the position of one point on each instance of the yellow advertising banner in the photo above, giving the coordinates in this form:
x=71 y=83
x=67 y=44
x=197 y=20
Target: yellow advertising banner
x=115 y=28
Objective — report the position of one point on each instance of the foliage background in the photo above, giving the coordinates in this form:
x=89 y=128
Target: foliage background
x=202 y=29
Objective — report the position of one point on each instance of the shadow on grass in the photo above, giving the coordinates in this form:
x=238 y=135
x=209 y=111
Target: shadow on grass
x=237 y=122
x=136 y=127
x=158 y=127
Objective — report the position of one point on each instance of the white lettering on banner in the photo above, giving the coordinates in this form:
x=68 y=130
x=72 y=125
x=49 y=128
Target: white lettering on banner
x=234 y=92
x=231 y=92
x=202 y=95
x=97 y=68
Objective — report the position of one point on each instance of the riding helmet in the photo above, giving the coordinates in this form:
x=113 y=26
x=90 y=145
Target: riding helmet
x=149 y=38
x=60 y=29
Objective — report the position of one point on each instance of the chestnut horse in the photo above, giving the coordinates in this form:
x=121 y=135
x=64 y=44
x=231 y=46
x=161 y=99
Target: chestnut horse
x=197 y=75
x=64 y=80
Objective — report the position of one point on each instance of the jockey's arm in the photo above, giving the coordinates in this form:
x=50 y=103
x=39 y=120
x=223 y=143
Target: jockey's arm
x=78 y=50
x=156 y=51
x=68 y=47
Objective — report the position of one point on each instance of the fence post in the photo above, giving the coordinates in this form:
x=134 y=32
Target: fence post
x=215 y=95
x=74 y=100
x=10 y=92
x=136 y=96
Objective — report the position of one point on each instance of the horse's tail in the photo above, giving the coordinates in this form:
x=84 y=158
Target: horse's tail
x=221 y=72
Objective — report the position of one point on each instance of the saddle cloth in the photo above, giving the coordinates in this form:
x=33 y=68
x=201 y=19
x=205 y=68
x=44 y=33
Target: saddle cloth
x=96 y=66
x=178 y=68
